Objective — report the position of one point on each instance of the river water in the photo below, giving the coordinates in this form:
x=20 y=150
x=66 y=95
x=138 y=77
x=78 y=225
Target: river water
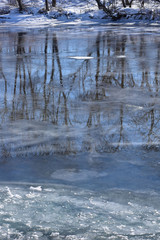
x=80 y=134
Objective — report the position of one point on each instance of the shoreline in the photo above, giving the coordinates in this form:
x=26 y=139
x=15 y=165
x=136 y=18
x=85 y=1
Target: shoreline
x=54 y=19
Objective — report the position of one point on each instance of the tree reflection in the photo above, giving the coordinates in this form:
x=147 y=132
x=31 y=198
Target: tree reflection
x=2 y=76
x=88 y=99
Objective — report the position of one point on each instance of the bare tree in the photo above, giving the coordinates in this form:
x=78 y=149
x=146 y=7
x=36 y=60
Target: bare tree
x=126 y=3
x=46 y=3
x=102 y=4
x=20 y=5
x=103 y=7
x=53 y=3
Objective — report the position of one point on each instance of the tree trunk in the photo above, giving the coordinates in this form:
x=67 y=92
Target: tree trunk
x=53 y=3
x=46 y=3
x=127 y=3
x=130 y=4
x=102 y=6
x=123 y=2
x=142 y=3
x=20 y=5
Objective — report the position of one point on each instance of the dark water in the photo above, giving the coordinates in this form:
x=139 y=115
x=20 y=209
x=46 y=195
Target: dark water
x=80 y=134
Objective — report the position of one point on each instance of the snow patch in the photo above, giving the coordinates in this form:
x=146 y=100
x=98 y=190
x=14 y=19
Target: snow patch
x=74 y=13
x=121 y=56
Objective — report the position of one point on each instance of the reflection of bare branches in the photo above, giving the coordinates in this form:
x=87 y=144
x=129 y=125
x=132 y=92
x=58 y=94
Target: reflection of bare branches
x=115 y=141
x=55 y=52
x=123 y=78
x=34 y=104
x=152 y=125
x=5 y=84
x=21 y=74
x=145 y=81
x=98 y=65
x=55 y=49
x=42 y=89
x=148 y=124
x=45 y=77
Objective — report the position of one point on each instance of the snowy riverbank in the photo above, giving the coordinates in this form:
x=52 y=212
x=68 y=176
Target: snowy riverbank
x=75 y=13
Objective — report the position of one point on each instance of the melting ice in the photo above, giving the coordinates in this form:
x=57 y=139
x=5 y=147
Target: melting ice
x=62 y=212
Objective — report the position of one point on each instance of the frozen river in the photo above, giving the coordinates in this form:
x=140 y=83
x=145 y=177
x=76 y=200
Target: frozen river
x=80 y=134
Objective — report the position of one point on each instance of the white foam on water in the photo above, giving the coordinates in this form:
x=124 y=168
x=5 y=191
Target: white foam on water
x=32 y=195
